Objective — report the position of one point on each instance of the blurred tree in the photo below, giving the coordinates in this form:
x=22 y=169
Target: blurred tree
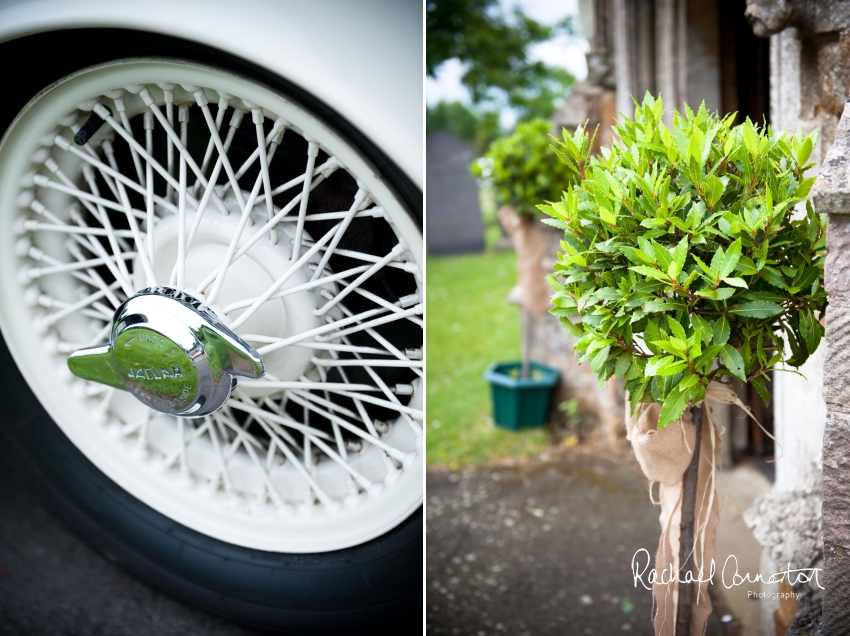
x=494 y=46
x=478 y=127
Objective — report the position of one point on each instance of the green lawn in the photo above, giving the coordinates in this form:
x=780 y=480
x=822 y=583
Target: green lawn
x=470 y=324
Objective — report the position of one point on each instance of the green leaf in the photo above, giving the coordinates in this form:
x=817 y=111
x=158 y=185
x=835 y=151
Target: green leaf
x=679 y=256
x=717 y=262
x=733 y=253
x=662 y=256
x=656 y=363
x=673 y=406
x=746 y=266
x=810 y=329
x=759 y=383
x=573 y=328
x=651 y=272
x=804 y=188
x=650 y=335
x=636 y=256
x=607 y=216
x=706 y=327
x=750 y=139
x=688 y=381
x=624 y=362
x=637 y=300
x=713 y=190
x=774 y=277
x=674 y=346
x=654 y=306
x=636 y=394
x=721 y=331
x=676 y=328
x=771 y=296
x=705 y=268
x=805 y=151
x=722 y=293
x=707 y=356
x=671 y=368
x=735 y=282
x=756 y=309
x=733 y=361
x=609 y=293
x=600 y=359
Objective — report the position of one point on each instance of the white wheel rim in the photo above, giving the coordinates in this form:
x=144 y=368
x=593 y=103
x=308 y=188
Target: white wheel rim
x=259 y=473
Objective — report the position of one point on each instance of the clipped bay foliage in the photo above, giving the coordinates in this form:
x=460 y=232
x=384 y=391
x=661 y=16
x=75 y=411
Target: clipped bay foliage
x=523 y=169
x=689 y=255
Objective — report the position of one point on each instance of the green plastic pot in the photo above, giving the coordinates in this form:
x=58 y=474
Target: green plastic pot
x=520 y=402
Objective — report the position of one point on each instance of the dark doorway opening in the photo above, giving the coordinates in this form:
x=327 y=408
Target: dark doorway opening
x=744 y=65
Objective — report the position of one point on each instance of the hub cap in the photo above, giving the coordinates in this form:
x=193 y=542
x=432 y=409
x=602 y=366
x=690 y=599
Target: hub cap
x=171 y=352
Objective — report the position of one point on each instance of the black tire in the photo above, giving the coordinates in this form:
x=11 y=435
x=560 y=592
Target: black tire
x=375 y=587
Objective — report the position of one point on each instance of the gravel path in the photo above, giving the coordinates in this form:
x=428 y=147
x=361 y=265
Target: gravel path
x=541 y=547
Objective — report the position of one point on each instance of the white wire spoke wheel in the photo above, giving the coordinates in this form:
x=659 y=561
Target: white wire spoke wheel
x=323 y=453
x=193 y=514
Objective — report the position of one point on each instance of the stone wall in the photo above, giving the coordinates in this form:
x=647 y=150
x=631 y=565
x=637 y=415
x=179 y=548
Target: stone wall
x=832 y=196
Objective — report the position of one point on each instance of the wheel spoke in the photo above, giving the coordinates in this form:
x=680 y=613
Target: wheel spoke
x=265 y=419
x=363 y=326
x=293 y=269
x=122 y=113
x=66 y=309
x=257 y=115
x=201 y=100
x=394 y=452
x=103 y=218
x=223 y=103
x=319 y=331
x=117 y=176
x=294 y=290
x=279 y=217
x=360 y=200
x=131 y=219
x=103 y=113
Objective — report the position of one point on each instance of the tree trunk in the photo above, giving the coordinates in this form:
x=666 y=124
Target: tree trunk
x=527 y=335
x=686 y=535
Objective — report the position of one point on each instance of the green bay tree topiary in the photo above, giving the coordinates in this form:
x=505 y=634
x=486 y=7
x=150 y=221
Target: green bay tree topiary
x=522 y=168
x=690 y=255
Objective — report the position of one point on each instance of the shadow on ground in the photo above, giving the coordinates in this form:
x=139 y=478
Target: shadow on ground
x=52 y=582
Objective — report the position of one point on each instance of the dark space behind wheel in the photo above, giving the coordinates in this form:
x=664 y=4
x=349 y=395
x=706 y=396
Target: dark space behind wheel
x=297 y=506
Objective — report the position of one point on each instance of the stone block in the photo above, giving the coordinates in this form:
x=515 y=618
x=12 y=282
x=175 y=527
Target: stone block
x=836 y=388
x=836 y=602
x=837 y=275
x=836 y=486
x=831 y=193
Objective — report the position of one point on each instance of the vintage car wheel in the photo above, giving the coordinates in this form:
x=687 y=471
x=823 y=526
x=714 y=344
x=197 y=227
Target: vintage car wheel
x=297 y=505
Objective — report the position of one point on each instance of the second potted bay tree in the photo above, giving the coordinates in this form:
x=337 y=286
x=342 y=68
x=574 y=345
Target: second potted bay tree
x=691 y=258
x=523 y=170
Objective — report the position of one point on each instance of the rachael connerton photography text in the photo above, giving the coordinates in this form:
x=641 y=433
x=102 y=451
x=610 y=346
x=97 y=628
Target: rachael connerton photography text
x=730 y=576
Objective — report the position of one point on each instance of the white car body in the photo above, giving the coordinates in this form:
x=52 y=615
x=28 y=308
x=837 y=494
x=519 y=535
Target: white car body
x=355 y=56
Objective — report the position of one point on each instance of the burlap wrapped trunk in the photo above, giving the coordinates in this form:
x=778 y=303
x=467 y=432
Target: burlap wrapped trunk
x=664 y=455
